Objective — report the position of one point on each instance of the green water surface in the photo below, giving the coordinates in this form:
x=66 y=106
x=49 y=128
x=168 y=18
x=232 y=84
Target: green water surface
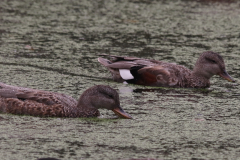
x=54 y=46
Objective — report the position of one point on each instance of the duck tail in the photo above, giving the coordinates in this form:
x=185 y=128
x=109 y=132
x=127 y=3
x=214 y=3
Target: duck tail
x=114 y=71
x=104 y=62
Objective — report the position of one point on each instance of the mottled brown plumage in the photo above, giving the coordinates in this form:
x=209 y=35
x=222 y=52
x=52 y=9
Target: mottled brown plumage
x=158 y=73
x=26 y=101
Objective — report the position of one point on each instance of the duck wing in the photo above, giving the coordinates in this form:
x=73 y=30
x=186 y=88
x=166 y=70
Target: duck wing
x=143 y=71
x=119 y=66
x=19 y=100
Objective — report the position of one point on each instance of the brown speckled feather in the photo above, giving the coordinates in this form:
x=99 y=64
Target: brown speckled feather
x=158 y=73
x=26 y=101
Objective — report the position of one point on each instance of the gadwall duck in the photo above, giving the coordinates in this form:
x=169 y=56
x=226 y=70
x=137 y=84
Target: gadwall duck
x=157 y=73
x=26 y=101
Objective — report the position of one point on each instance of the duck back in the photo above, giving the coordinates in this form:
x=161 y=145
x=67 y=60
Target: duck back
x=26 y=101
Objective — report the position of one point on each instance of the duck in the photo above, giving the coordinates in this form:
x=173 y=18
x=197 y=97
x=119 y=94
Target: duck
x=33 y=102
x=149 y=72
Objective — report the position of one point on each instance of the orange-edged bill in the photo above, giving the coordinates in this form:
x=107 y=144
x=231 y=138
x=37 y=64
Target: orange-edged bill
x=121 y=113
x=226 y=76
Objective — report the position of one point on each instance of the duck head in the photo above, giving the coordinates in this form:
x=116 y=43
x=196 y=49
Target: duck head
x=210 y=64
x=104 y=97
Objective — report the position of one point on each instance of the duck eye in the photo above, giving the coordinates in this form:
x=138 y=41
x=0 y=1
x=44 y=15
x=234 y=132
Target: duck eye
x=212 y=61
x=110 y=96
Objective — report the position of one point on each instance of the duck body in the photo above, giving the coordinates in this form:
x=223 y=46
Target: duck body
x=157 y=73
x=27 y=101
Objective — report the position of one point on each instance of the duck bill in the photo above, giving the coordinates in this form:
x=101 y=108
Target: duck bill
x=226 y=76
x=121 y=113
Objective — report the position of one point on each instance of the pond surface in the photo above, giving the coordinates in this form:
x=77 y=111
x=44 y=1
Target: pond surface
x=54 y=46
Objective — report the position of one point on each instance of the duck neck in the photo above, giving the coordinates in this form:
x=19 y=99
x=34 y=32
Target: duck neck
x=199 y=80
x=85 y=108
x=200 y=71
x=81 y=110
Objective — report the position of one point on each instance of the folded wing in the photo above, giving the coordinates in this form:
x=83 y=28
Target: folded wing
x=25 y=101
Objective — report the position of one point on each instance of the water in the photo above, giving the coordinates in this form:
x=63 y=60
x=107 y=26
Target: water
x=54 y=46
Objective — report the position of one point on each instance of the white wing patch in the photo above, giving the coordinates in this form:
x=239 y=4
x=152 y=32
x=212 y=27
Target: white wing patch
x=125 y=74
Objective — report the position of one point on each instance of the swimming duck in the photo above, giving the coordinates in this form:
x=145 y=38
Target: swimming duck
x=157 y=73
x=26 y=101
